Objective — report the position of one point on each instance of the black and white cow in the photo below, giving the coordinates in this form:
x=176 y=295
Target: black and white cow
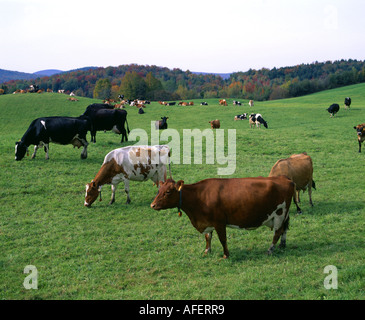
x=258 y=120
x=161 y=124
x=333 y=109
x=106 y=118
x=204 y=103
x=237 y=103
x=62 y=130
x=241 y=116
x=347 y=103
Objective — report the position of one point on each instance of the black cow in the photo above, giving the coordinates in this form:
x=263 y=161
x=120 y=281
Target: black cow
x=62 y=130
x=106 y=118
x=170 y=103
x=140 y=111
x=347 y=102
x=161 y=124
x=333 y=109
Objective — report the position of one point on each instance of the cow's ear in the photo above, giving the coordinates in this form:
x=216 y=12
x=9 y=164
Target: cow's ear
x=179 y=185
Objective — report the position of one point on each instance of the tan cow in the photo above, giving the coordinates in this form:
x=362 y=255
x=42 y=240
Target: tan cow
x=299 y=168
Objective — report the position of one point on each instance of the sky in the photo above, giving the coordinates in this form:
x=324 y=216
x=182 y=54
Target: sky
x=198 y=35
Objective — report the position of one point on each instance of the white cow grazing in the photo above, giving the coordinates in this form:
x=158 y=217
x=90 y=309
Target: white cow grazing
x=136 y=163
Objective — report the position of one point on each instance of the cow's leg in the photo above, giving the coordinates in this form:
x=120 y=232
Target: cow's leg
x=36 y=147
x=114 y=188
x=299 y=211
x=208 y=239
x=126 y=189
x=93 y=136
x=359 y=146
x=283 y=236
x=46 y=149
x=297 y=195
x=221 y=231
x=277 y=235
x=84 y=150
x=310 y=195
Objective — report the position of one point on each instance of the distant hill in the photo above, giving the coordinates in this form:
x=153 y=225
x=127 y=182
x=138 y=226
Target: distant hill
x=47 y=73
x=7 y=75
x=224 y=76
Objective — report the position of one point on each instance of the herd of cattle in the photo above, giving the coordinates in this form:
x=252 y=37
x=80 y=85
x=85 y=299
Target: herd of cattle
x=210 y=204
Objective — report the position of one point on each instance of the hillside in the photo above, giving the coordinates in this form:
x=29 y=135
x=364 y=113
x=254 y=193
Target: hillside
x=159 y=83
x=7 y=75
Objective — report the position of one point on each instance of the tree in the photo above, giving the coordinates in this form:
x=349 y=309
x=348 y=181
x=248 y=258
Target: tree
x=133 y=86
x=102 y=89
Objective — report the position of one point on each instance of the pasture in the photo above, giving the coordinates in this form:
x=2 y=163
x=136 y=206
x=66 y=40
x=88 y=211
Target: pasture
x=133 y=252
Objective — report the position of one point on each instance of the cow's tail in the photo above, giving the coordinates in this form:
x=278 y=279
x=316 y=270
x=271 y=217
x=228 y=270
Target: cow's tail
x=314 y=185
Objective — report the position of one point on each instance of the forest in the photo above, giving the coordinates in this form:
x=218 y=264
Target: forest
x=161 y=83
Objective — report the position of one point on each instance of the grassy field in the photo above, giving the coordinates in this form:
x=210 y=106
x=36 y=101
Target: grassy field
x=133 y=252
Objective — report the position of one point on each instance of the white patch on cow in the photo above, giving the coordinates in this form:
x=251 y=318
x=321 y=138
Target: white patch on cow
x=208 y=230
x=43 y=124
x=274 y=221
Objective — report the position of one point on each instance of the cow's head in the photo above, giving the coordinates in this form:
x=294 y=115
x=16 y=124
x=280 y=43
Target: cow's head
x=92 y=192
x=360 y=130
x=168 y=195
x=20 y=150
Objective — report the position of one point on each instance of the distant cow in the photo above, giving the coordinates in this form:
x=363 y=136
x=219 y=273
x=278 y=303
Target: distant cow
x=257 y=119
x=204 y=103
x=240 y=203
x=250 y=103
x=360 y=134
x=141 y=111
x=170 y=103
x=236 y=103
x=299 y=168
x=215 y=124
x=347 y=103
x=223 y=102
x=62 y=130
x=333 y=109
x=241 y=116
x=104 y=117
x=184 y=104
x=133 y=163
x=161 y=124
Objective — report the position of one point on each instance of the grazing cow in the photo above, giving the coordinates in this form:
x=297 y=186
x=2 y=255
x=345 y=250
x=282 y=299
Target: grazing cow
x=241 y=116
x=360 y=134
x=215 y=124
x=299 y=168
x=257 y=119
x=62 y=130
x=135 y=163
x=170 y=103
x=181 y=103
x=141 y=111
x=161 y=124
x=347 y=103
x=223 y=102
x=191 y=103
x=236 y=103
x=204 y=103
x=250 y=103
x=241 y=203
x=105 y=117
x=333 y=109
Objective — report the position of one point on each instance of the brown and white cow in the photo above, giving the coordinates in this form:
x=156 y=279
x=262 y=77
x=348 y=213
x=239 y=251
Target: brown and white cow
x=299 y=168
x=250 y=103
x=223 y=102
x=133 y=163
x=360 y=134
x=242 y=203
x=215 y=124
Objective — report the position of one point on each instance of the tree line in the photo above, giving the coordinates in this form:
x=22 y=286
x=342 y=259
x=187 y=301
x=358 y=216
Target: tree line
x=158 y=83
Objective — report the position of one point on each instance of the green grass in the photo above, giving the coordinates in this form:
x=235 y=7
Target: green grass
x=133 y=252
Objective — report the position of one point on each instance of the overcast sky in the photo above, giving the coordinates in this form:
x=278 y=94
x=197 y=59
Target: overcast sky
x=200 y=35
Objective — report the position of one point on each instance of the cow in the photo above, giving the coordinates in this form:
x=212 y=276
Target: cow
x=250 y=103
x=105 y=117
x=223 y=102
x=62 y=130
x=257 y=119
x=333 y=109
x=215 y=124
x=241 y=116
x=241 y=203
x=360 y=134
x=133 y=163
x=299 y=168
x=161 y=124
x=181 y=103
x=347 y=103
x=237 y=103
x=204 y=103
x=170 y=103
x=141 y=111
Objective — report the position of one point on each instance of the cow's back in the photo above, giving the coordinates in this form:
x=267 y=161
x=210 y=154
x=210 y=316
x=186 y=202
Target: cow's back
x=298 y=167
